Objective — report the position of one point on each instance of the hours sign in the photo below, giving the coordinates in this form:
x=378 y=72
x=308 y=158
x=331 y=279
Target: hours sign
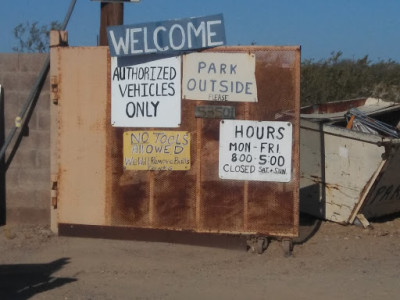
x=251 y=150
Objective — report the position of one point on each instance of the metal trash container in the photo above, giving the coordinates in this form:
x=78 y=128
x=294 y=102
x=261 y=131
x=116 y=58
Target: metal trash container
x=345 y=174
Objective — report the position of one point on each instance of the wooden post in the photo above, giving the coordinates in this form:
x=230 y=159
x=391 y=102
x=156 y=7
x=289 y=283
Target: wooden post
x=111 y=14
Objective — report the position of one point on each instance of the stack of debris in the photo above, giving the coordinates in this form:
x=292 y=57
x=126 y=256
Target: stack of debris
x=359 y=121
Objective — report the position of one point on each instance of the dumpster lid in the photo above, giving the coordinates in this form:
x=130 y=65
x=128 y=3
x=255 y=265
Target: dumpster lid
x=336 y=110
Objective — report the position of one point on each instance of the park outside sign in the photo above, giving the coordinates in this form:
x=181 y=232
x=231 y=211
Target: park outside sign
x=219 y=77
x=167 y=37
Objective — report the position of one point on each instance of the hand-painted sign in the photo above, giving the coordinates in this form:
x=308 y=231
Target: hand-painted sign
x=167 y=36
x=215 y=112
x=219 y=77
x=156 y=150
x=251 y=150
x=145 y=93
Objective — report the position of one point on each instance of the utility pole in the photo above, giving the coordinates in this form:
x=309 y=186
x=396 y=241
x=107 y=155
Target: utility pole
x=111 y=14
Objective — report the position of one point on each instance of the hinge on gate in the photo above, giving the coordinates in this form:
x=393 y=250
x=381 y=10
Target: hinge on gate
x=54 y=89
x=54 y=192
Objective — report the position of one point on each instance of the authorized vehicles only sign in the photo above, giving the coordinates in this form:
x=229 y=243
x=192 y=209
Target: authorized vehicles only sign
x=252 y=150
x=147 y=92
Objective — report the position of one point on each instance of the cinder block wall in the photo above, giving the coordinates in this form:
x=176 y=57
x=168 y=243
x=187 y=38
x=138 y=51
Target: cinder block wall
x=27 y=182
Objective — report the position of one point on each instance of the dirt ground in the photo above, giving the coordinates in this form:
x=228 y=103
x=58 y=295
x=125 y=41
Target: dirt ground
x=329 y=261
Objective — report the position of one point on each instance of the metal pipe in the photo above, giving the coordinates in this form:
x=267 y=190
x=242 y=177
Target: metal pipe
x=19 y=124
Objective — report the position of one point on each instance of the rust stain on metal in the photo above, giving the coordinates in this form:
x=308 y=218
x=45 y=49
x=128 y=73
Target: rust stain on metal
x=132 y=207
x=175 y=194
x=197 y=199
x=332 y=187
x=222 y=206
x=326 y=108
x=227 y=241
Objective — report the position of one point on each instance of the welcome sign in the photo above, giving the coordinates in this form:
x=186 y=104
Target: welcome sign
x=167 y=36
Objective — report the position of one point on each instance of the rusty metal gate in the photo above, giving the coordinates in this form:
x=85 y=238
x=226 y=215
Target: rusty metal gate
x=91 y=187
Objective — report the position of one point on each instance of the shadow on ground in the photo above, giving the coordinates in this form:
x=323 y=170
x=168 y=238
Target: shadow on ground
x=308 y=227
x=22 y=281
x=387 y=218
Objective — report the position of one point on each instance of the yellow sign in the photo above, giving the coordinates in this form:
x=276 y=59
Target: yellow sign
x=156 y=150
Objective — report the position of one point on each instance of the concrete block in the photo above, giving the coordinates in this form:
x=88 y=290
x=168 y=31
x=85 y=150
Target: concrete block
x=33 y=122
x=22 y=82
x=42 y=198
x=15 y=103
x=43 y=120
x=43 y=103
x=31 y=62
x=1 y=78
x=23 y=215
x=16 y=197
x=9 y=62
x=34 y=179
x=24 y=158
x=46 y=86
x=30 y=158
x=12 y=177
x=12 y=82
x=43 y=158
x=25 y=198
x=13 y=96
x=37 y=139
x=19 y=81
x=9 y=120
x=10 y=125
x=26 y=155
x=35 y=119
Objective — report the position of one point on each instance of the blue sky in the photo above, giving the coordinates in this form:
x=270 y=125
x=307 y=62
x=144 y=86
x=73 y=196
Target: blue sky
x=357 y=28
